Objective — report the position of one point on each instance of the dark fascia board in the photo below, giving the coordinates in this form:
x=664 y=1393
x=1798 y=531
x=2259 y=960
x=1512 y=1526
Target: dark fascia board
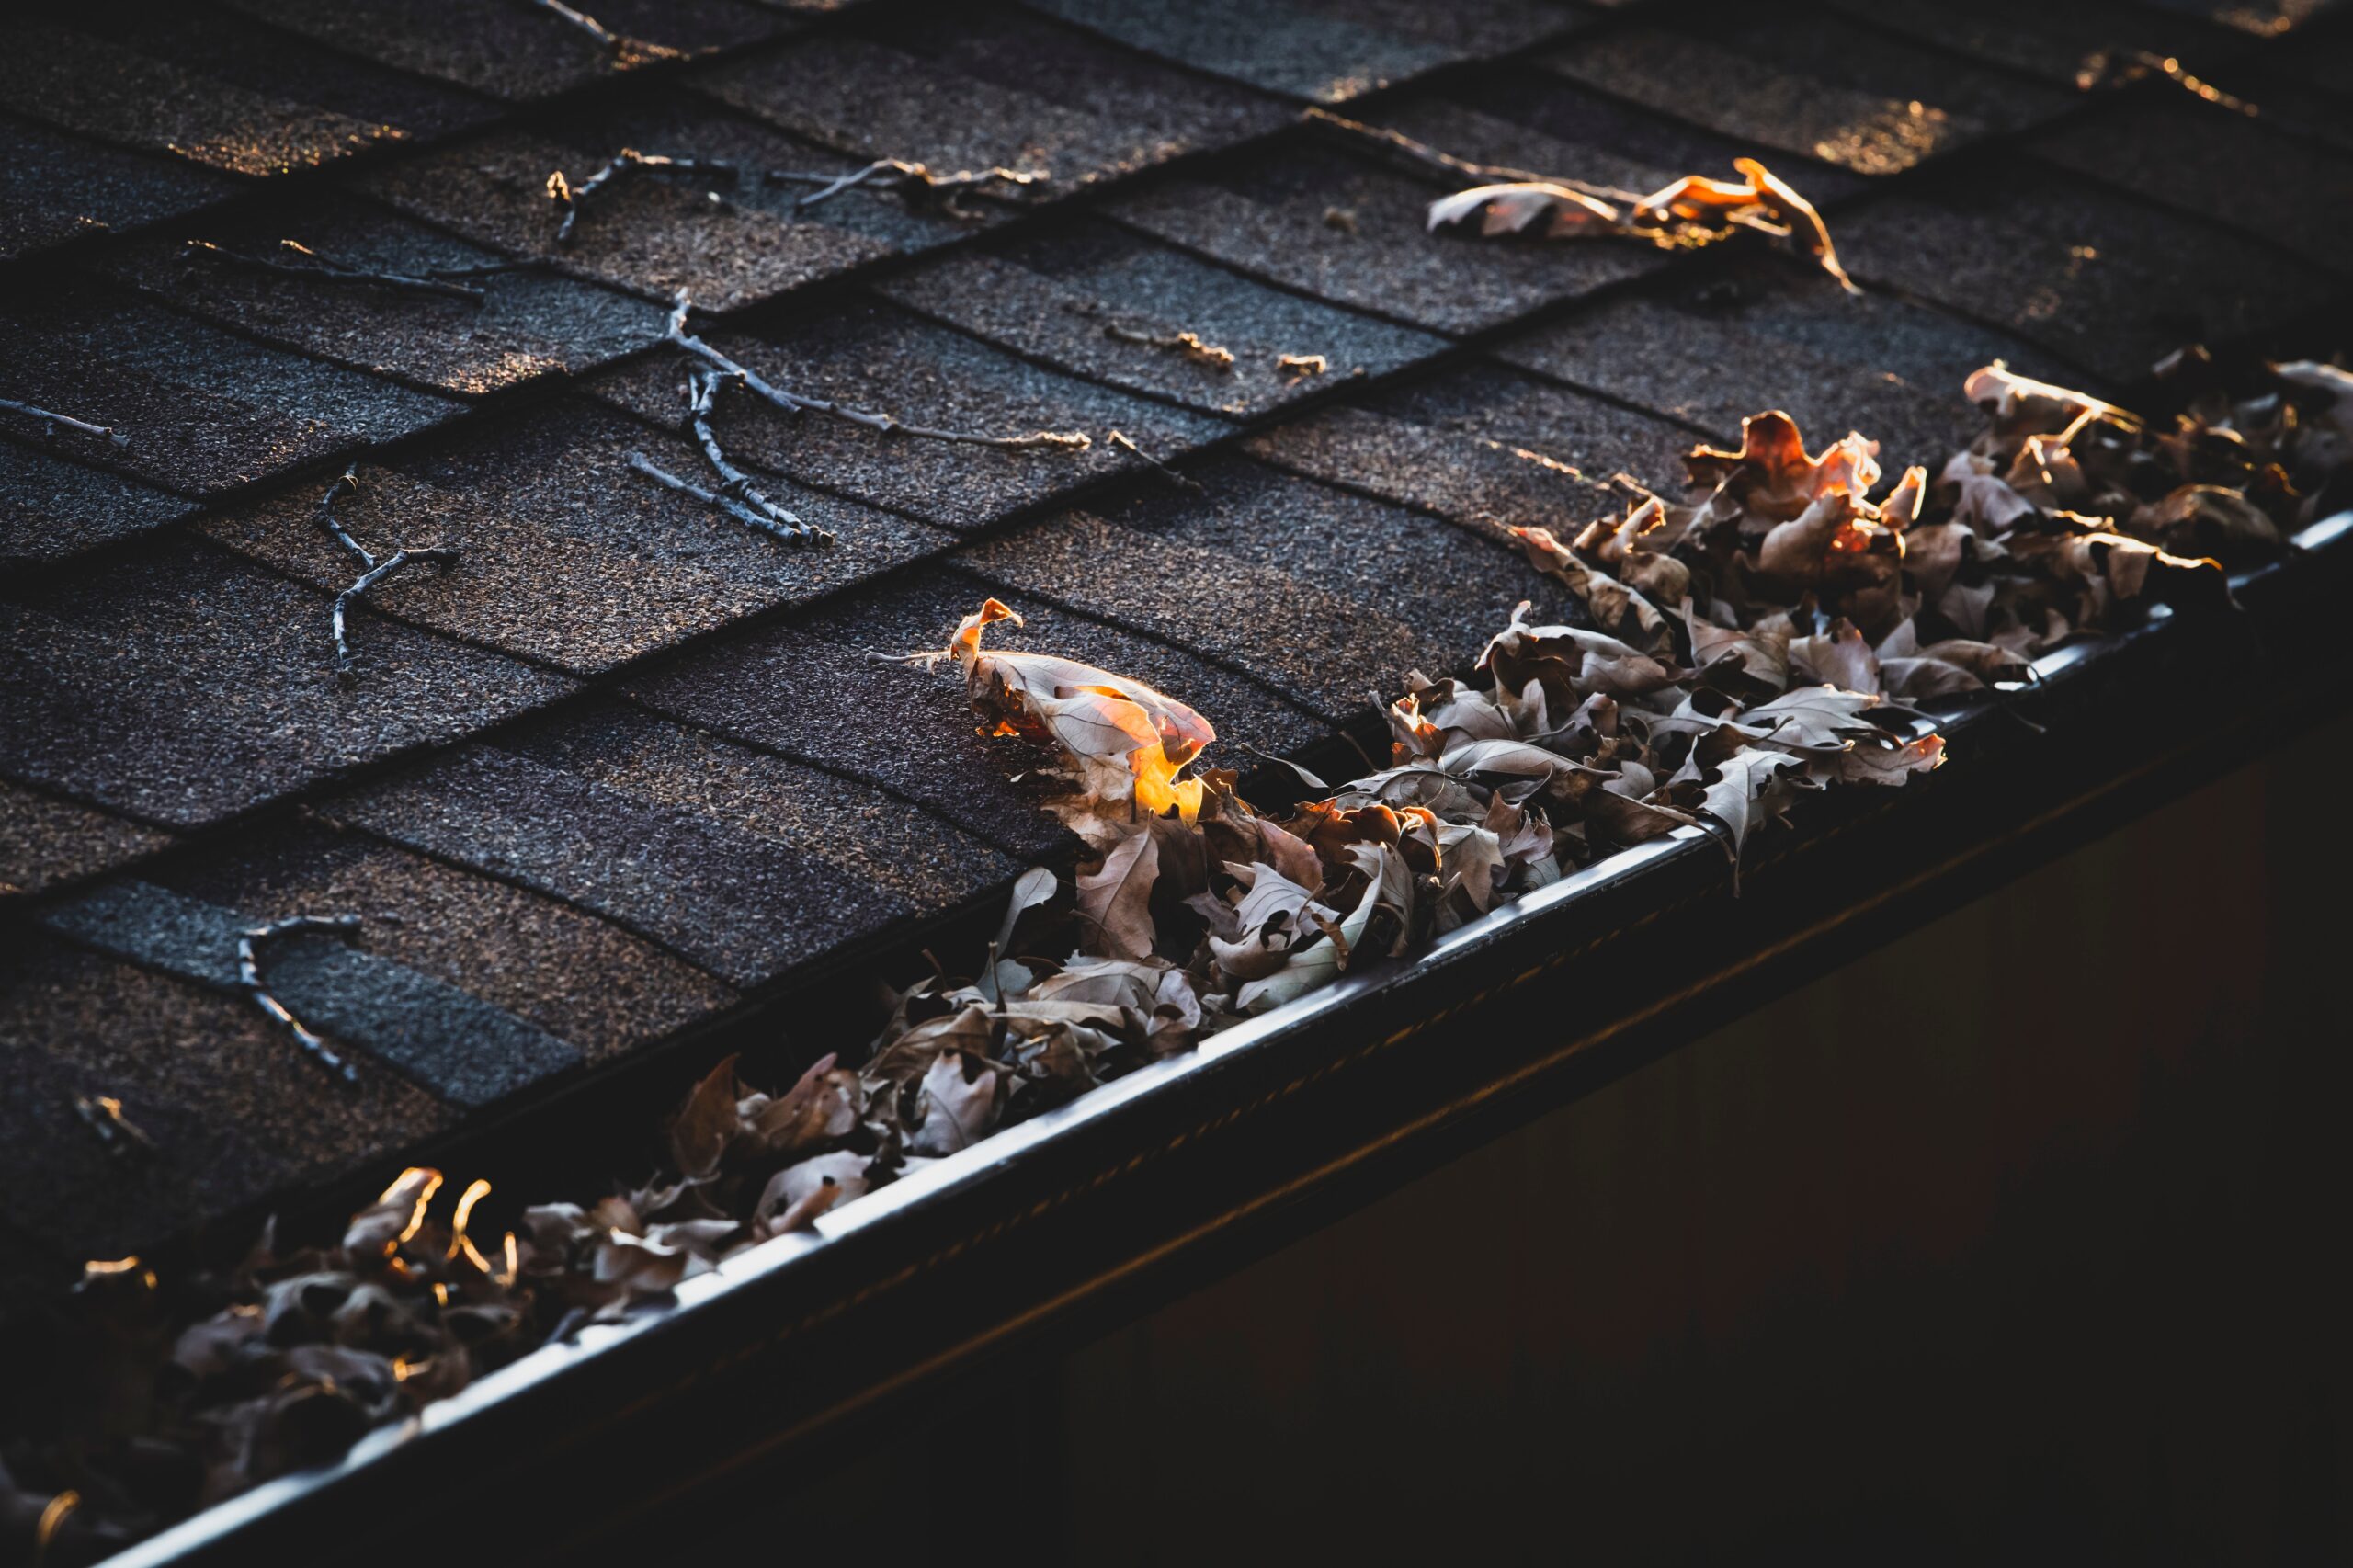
x=1156 y=1183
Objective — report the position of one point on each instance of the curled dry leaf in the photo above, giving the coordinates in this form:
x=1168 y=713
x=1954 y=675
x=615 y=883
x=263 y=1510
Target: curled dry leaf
x=1692 y=211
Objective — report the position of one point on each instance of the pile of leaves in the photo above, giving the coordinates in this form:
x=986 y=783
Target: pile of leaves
x=1769 y=635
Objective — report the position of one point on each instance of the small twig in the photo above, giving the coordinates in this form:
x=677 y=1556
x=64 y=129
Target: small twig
x=585 y=23
x=1188 y=344
x=1120 y=441
x=571 y=197
x=249 y=976
x=371 y=570
x=51 y=416
x=1302 y=364
x=2101 y=68
x=915 y=181
x=103 y=1115
x=328 y=269
x=781 y=524
x=1447 y=162
x=795 y=403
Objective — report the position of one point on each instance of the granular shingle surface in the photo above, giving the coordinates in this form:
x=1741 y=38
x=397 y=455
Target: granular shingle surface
x=56 y=186
x=181 y=686
x=1804 y=81
x=1349 y=228
x=523 y=325
x=1080 y=297
x=45 y=842
x=627 y=769
x=884 y=360
x=567 y=555
x=198 y=409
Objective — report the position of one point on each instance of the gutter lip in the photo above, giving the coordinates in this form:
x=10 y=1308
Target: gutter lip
x=772 y=1264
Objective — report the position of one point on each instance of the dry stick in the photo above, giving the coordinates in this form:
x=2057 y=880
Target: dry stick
x=328 y=269
x=795 y=403
x=103 y=1115
x=249 y=975
x=53 y=417
x=898 y=173
x=569 y=197
x=807 y=533
x=1188 y=344
x=1120 y=440
x=1423 y=152
x=702 y=397
x=372 y=571
x=585 y=23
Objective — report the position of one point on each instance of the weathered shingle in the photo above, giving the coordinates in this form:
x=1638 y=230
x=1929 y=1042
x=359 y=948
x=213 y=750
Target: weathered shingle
x=881 y=359
x=1774 y=335
x=106 y=87
x=578 y=978
x=377 y=1014
x=1352 y=230
x=518 y=51
x=2054 y=43
x=45 y=842
x=1518 y=118
x=1803 y=81
x=744 y=862
x=1325 y=50
x=525 y=325
x=52 y=507
x=2111 y=282
x=1061 y=293
x=2227 y=166
x=55 y=187
x=567 y=555
x=199 y=409
x=868 y=98
x=1341 y=600
x=1483 y=446
x=814 y=692
x=234 y=1111
x=655 y=232
x=182 y=685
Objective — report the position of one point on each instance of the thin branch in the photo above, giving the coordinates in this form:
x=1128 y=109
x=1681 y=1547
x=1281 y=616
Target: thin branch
x=794 y=532
x=1447 y=162
x=1301 y=364
x=795 y=403
x=344 y=666
x=103 y=1115
x=2101 y=68
x=1188 y=344
x=571 y=197
x=51 y=416
x=585 y=23
x=1121 y=441
x=326 y=269
x=916 y=182
x=249 y=975
x=371 y=570
x=702 y=399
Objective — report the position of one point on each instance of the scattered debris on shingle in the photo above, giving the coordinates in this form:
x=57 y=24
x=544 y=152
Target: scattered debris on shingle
x=55 y=187
x=249 y=945
x=137 y=687
x=372 y=570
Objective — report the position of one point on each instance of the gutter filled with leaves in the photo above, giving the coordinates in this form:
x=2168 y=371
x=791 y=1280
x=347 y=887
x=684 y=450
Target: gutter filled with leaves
x=1770 y=638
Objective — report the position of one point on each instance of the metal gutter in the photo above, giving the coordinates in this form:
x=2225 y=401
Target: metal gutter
x=1094 y=1207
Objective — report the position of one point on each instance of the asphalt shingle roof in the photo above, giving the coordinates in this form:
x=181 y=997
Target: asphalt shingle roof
x=627 y=764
